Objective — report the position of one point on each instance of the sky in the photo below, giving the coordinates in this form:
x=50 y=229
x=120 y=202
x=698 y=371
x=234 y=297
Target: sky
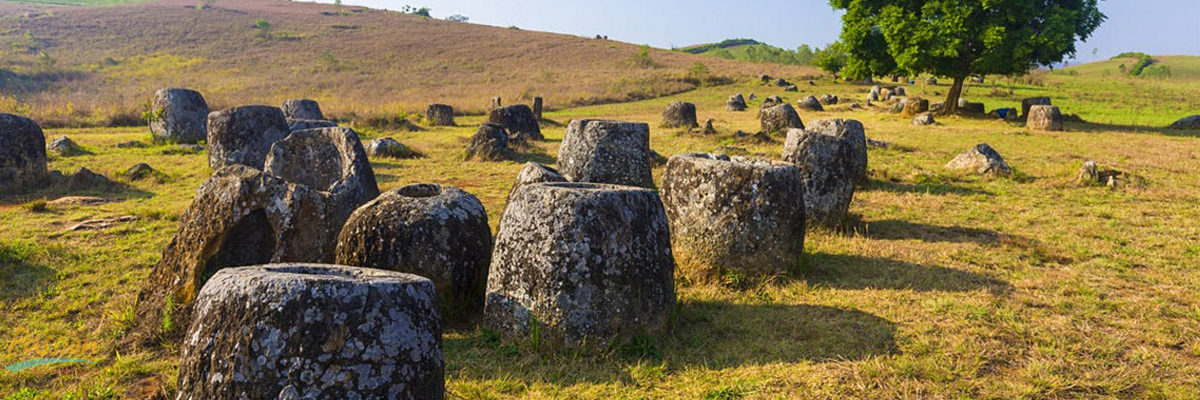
x=1159 y=27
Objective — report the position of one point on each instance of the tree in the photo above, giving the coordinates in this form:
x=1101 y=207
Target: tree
x=804 y=55
x=832 y=58
x=960 y=38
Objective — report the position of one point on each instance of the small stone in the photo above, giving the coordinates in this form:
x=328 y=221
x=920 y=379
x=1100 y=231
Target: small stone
x=179 y=116
x=490 y=143
x=438 y=232
x=810 y=103
x=142 y=171
x=518 y=121
x=791 y=88
x=708 y=127
x=302 y=109
x=779 y=119
x=611 y=152
x=679 y=115
x=65 y=147
x=879 y=144
x=981 y=159
x=291 y=331
x=388 y=148
x=733 y=213
x=829 y=99
x=1045 y=118
x=439 y=115
x=86 y=179
x=924 y=119
x=900 y=91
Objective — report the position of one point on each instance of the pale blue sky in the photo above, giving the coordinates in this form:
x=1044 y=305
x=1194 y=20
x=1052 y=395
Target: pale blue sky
x=1160 y=27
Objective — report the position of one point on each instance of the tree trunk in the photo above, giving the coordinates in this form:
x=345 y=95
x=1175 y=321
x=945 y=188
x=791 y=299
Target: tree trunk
x=952 y=98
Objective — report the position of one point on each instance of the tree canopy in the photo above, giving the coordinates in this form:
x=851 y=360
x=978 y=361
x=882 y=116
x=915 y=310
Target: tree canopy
x=960 y=38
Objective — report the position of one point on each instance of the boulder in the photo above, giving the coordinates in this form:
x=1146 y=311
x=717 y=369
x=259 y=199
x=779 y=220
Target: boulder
x=900 y=91
x=736 y=103
x=388 y=148
x=852 y=133
x=765 y=78
x=938 y=107
x=533 y=173
x=1089 y=173
x=84 y=178
x=791 y=88
x=141 y=171
x=439 y=115
x=438 y=232
x=981 y=159
x=915 y=106
x=313 y=331
x=581 y=264
x=1190 y=122
x=611 y=152
x=771 y=101
x=240 y=216
x=898 y=107
x=779 y=119
x=733 y=214
x=969 y=107
x=827 y=169
x=829 y=99
x=810 y=103
x=330 y=160
x=302 y=109
x=490 y=143
x=924 y=119
x=306 y=124
x=782 y=82
x=679 y=115
x=519 y=121
x=244 y=135
x=65 y=147
x=1026 y=104
x=752 y=97
x=179 y=116
x=1044 y=118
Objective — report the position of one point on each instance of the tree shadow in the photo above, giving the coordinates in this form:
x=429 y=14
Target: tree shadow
x=19 y=276
x=1101 y=127
x=940 y=189
x=857 y=272
x=113 y=191
x=895 y=229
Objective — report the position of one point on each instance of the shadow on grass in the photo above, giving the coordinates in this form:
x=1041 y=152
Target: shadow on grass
x=894 y=229
x=113 y=191
x=706 y=334
x=19 y=276
x=1100 y=127
x=926 y=188
x=857 y=272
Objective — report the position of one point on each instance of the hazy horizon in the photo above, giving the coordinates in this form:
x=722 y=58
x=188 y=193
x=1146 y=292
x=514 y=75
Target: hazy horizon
x=695 y=22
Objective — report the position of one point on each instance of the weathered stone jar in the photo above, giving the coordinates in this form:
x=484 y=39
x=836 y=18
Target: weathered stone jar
x=1045 y=118
x=519 y=120
x=180 y=116
x=853 y=134
x=733 y=214
x=302 y=109
x=680 y=115
x=22 y=153
x=438 y=232
x=611 y=152
x=313 y=331
x=827 y=168
x=780 y=118
x=581 y=263
x=244 y=135
x=331 y=160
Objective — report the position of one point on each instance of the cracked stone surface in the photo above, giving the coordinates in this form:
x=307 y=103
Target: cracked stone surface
x=330 y=160
x=585 y=263
x=853 y=133
x=780 y=118
x=23 y=153
x=302 y=109
x=244 y=135
x=827 y=168
x=313 y=331
x=435 y=231
x=181 y=116
x=533 y=173
x=733 y=213
x=612 y=152
x=981 y=159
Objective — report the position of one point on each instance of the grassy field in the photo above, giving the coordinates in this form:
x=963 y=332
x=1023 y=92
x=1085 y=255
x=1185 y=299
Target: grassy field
x=943 y=285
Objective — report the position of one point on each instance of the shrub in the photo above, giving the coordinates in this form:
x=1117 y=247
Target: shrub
x=642 y=59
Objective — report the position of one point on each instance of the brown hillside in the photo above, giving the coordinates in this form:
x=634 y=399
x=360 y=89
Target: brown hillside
x=103 y=61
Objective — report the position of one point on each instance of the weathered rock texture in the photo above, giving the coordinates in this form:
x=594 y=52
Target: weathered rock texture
x=302 y=109
x=439 y=115
x=915 y=105
x=244 y=135
x=736 y=103
x=779 y=119
x=581 y=262
x=330 y=160
x=533 y=173
x=1189 y=122
x=180 y=116
x=438 y=232
x=313 y=331
x=924 y=119
x=1026 y=104
x=827 y=168
x=490 y=143
x=981 y=159
x=611 y=152
x=810 y=103
x=22 y=153
x=733 y=213
x=680 y=115
x=829 y=99
x=388 y=148
x=771 y=101
x=1045 y=118
x=306 y=124
x=519 y=121
x=852 y=133
x=240 y=216
x=65 y=147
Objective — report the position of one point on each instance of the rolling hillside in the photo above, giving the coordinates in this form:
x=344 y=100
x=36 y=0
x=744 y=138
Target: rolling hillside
x=748 y=50
x=71 y=64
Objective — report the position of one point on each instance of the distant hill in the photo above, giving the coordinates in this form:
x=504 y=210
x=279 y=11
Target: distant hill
x=750 y=50
x=1179 y=67
x=85 y=63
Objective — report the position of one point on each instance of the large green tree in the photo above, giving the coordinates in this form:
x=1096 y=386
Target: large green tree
x=961 y=38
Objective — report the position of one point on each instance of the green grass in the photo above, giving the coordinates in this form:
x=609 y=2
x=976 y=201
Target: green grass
x=943 y=286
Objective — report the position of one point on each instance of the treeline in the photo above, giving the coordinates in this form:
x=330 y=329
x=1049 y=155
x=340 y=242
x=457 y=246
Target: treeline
x=755 y=51
x=1144 y=66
